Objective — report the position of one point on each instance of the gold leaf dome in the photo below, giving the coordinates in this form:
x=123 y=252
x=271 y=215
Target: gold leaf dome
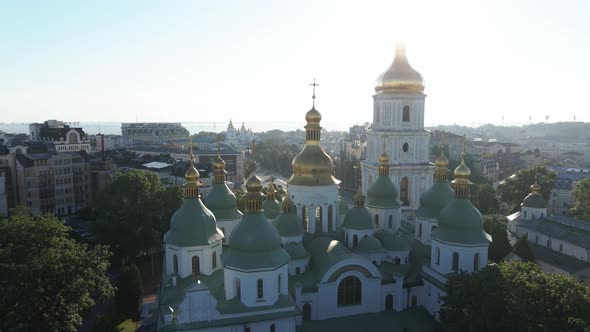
x=191 y=174
x=462 y=171
x=313 y=116
x=254 y=184
x=535 y=187
x=442 y=161
x=400 y=77
x=219 y=163
x=384 y=158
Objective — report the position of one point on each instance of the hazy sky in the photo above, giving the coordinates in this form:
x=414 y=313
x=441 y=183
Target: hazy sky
x=253 y=61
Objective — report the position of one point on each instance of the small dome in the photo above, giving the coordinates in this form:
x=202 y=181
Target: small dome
x=313 y=116
x=433 y=200
x=460 y=222
x=395 y=243
x=219 y=163
x=342 y=207
x=271 y=208
x=400 y=76
x=288 y=224
x=254 y=184
x=442 y=161
x=192 y=174
x=382 y=193
x=192 y=225
x=368 y=244
x=535 y=187
x=384 y=158
x=358 y=218
x=462 y=171
x=312 y=167
x=534 y=200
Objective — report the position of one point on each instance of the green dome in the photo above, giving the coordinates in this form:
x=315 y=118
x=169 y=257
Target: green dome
x=296 y=250
x=271 y=208
x=288 y=224
x=192 y=225
x=255 y=244
x=381 y=233
x=534 y=200
x=382 y=193
x=460 y=222
x=222 y=202
x=395 y=243
x=367 y=245
x=434 y=200
x=358 y=218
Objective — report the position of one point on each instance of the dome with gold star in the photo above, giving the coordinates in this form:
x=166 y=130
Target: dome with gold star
x=400 y=77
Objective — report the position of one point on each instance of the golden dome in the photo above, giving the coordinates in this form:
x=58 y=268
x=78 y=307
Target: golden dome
x=400 y=76
x=312 y=166
x=313 y=116
x=384 y=158
x=442 y=161
x=462 y=171
x=535 y=187
x=254 y=184
x=191 y=174
x=219 y=163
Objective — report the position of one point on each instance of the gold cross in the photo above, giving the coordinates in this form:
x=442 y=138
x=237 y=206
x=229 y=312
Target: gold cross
x=314 y=84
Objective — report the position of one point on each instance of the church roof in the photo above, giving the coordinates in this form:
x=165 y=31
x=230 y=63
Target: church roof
x=192 y=225
x=368 y=245
x=288 y=224
x=461 y=223
x=382 y=193
x=271 y=208
x=434 y=200
x=534 y=200
x=222 y=202
x=358 y=218
x=296 y=250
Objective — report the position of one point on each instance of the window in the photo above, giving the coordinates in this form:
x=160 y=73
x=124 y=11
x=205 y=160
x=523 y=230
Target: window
x=272 y=327
x=548 y=243
x=420 y=230
x=349 y=291
x=525 y=213
x=330 y=213
x=390 y=221
x=406 y=147
x=238 y=289
x=305 y=218
x=406 y=113
x=174 y=262
x=196 y=265
x=214 y=259
x=455 y=261
x=377 y=221
x=355 y=241
x=297 y=270
x=560 y=247
x=279 y=287
x=476 y=262
x=537 y=239
x=437 y=250
x=404 y=196
x=260 y=289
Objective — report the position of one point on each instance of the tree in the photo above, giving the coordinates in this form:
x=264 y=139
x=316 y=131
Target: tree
x=515 y=296
x=483 y=197
x=523 y=250
x=47 y=279
x=581 y=195
x=129 y=291
x=513 y=191
x=133 y=212
x=500 y=246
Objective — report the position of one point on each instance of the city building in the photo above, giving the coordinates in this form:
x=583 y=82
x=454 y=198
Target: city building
x=63 y=137
x=398 y=130
x=561 y=200
x=239 y=137
x=317 y=259
x=53 y=183
x=153 y=132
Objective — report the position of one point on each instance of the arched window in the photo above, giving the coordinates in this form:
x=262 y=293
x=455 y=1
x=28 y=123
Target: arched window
x=238 y=288
x=389 y=302
x=73 y=138
x=196 y=266
x=214 y=259
x=406 y=147
x=377 y=221
x=349 y=291
x=420 y=230
x=406 y=113
x=307 y=311
x=476 y=262
x=272 y=327
x=455 y=261
x=525 y=213
x=390 y=221
x=260 y=289
x=175 y=263
x=279 y=285
x=297 y=270
x=318 y=219
x=404 y=195
x=330 y=214
x=437 y=261
x=305 y=218
x=355 y=241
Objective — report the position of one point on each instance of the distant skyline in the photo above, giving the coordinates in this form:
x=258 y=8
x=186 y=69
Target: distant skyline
x=252 y=61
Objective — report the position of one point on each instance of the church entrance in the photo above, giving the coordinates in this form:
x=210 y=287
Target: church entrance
x=307 y=311
x=389 y=302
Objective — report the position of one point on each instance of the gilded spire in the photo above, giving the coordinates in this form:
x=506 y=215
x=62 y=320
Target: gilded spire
x=384 y=164
x=441 y=170
x=313 y=118
x=254 y=193
x=461 y=183
x=191 y=188
x=535 y=187
x=314 y=84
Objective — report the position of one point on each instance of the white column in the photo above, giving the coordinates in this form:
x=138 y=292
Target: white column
x=325 y=218
x=311 y=219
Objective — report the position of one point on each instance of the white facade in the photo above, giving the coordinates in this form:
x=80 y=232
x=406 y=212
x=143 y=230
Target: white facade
x=424 y=228
x=317 y=206
x=181 y=260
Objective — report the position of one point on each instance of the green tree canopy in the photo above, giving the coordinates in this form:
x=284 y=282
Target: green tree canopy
x=47 y=279
x=523 y=250
x=515 y=296
x=483 y=196
x=133 y=212
x=500 y=246
x=129 y=291
x=513 y=191
x=581 y=194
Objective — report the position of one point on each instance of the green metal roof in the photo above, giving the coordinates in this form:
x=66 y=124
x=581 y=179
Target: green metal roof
x=435 y=199
x=358 y=218
x=395 y=243
x=325 y=252
x=382 y=193
x=534 y=200
x=368 y=245
x=461 y=223
x=271 y=208
x=192 y=225
x=296 y=250
x=222 y=202
x=255 y=244
x=288 y=224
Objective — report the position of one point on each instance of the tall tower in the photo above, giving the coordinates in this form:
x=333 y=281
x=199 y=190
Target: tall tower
x=398 y=125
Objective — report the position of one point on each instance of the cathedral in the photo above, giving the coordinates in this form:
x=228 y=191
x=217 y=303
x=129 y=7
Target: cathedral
x=312 y=257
